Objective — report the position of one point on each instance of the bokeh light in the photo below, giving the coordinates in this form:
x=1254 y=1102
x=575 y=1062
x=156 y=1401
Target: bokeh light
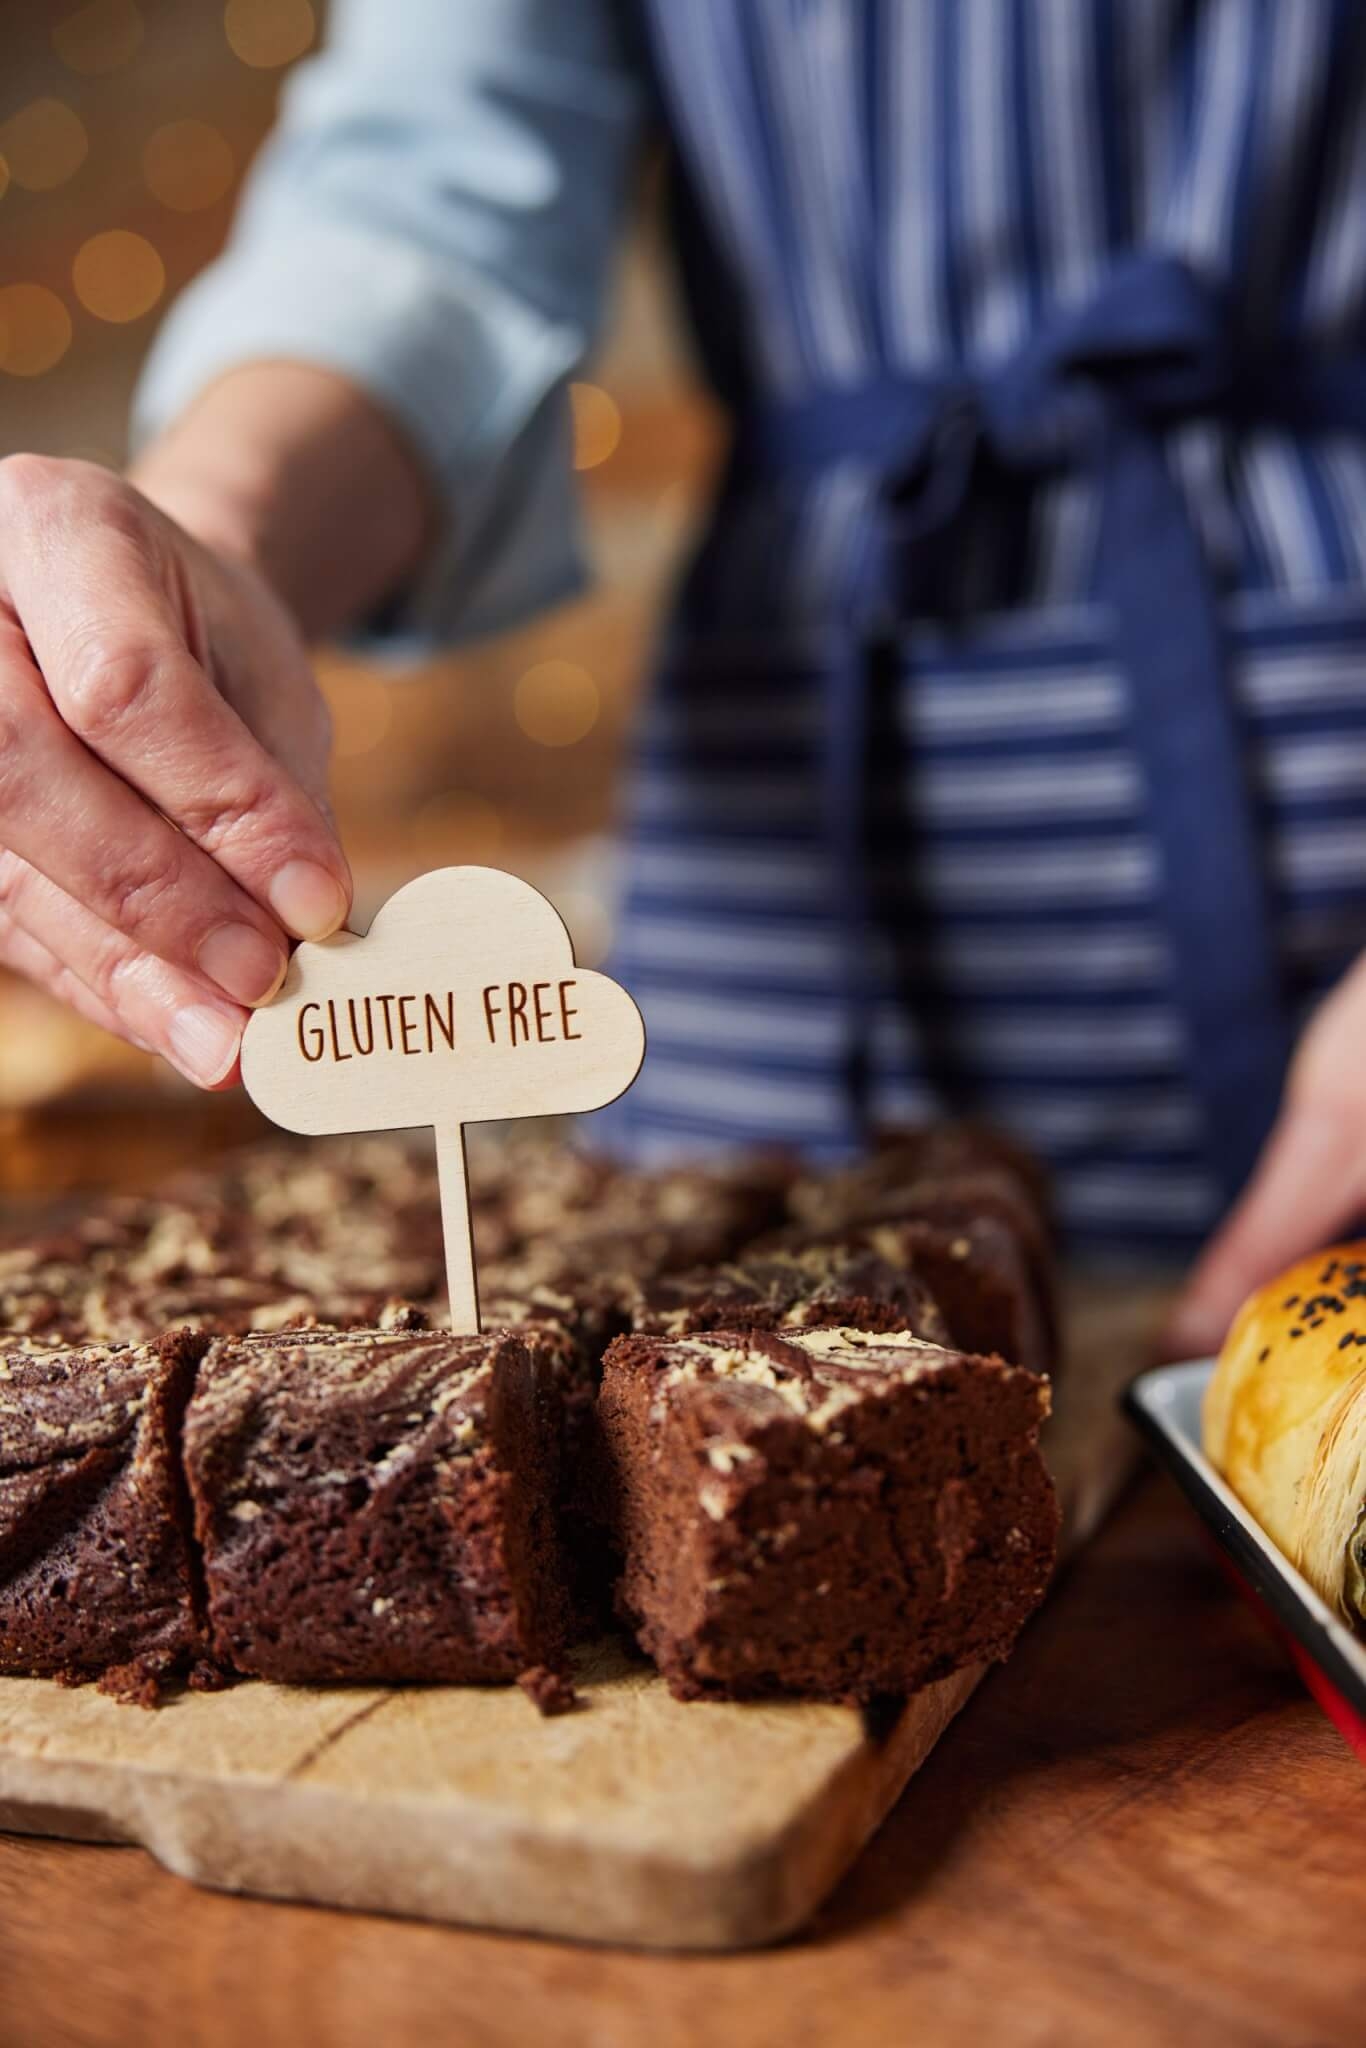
x=118 y=275
x=188 y=165
x=36 y=329
x=268 y=33
x=597 y=424
x=589 y=922
x=458 y=825
x=4 y=177
x=44 y=144
x=99 y=37
x=556 y=703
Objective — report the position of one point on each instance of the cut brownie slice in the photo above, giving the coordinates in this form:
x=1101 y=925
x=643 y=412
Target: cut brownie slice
x=379 y=1508
x=96 y=1578
x=809 y=1286
x=829 y=1513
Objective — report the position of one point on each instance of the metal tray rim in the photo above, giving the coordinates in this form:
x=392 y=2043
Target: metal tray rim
x=1155 y=1402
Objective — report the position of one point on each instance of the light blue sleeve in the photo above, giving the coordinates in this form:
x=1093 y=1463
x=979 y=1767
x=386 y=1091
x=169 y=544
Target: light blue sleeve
x=435 y=218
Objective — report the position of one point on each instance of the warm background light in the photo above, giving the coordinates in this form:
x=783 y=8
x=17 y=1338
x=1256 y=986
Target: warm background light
x=36 y=329
x=268 y=33
x=101 y=37
x=362 y=713
x=556 y=703
x=590 y=924
x=188 y=165
x=4 y=177
x=458 y=825
x=133 y=121
x=118 y=275
x=44 y=144
x=597 y=424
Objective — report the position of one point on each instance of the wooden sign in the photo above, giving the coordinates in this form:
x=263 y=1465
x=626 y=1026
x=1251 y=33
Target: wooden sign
x=462 y=1004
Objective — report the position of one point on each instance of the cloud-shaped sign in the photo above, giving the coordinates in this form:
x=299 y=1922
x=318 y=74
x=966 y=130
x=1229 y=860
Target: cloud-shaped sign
x=462 y=1003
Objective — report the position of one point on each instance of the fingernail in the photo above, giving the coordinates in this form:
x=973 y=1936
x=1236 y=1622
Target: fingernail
x=307 y=899
x=204 y=1042
x=243 y=962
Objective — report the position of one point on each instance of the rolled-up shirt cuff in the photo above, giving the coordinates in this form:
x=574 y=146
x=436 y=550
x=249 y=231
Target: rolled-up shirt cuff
x=470 y=373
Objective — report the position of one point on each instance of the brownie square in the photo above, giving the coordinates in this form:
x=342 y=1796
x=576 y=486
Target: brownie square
x=976 y=1212
x=799 y=1286
x=96 y=1575
x=991 y=1295
x=379 y=1509
x=828 y=1513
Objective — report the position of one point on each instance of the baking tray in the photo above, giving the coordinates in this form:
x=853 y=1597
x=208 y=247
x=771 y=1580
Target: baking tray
x=1331 y=1660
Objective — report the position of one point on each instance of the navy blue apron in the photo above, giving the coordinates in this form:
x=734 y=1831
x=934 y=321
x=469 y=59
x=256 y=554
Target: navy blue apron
x=1091 y=391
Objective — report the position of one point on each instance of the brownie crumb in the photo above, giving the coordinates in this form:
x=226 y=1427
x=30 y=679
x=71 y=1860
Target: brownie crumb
x=132 y=1685
x=208 y=1676
x=550 y=1692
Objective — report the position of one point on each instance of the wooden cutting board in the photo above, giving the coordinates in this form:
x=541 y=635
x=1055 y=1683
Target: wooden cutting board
x=634 y=1820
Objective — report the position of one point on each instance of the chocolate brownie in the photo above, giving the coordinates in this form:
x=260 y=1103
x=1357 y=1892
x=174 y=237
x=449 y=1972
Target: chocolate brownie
x=807 y=1286
x=541 y=1289
x=379 y=1508
x=826 y=1512
x=96 y=1573
x=235 y=1252
x=945 y=1156
x=971 y=1215
x=648 y=1223
x=354 y=1216
x=42 y=1292
x=986 y=1288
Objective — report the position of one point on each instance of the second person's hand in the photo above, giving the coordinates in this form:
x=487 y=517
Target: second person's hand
x=164 y=829
x=1310 y=1183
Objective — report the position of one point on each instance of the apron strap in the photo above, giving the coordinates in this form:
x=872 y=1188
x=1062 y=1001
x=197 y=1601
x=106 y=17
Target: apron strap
x=1090 y=394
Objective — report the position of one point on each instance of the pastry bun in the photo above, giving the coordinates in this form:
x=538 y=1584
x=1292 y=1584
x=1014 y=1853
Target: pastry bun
x=1285 y=1419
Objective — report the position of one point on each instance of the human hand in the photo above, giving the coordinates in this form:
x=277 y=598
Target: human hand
x=163 y=769
x=1310 y=1183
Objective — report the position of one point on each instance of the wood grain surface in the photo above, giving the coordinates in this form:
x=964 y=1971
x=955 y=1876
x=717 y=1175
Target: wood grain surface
x=1139 y=1832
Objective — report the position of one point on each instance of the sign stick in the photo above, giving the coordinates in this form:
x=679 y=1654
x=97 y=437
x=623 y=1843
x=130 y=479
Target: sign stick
x=462 y=1282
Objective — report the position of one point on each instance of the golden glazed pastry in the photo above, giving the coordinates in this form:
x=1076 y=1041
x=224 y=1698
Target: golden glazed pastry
x=1285 y=1419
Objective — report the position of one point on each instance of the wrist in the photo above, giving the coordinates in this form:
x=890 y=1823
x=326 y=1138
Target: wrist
x=294 y=471
x=220 y=509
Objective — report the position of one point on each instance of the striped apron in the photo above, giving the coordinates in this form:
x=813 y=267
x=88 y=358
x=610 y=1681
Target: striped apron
x=1008 y=751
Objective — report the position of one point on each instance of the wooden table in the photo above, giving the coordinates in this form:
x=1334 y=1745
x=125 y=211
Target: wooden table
x=1141 y=1831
